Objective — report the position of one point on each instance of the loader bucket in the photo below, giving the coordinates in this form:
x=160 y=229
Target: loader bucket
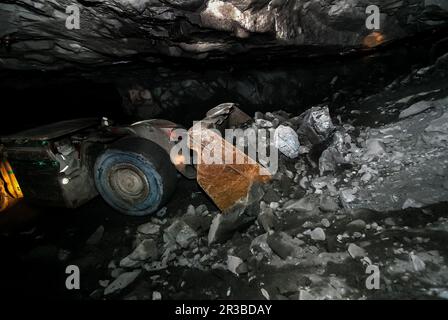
x=226 y=180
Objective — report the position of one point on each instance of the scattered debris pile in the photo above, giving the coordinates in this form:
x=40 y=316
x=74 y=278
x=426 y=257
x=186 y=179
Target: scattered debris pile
x=346 y=199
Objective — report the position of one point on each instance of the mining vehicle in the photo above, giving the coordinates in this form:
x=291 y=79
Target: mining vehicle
x=68 y=163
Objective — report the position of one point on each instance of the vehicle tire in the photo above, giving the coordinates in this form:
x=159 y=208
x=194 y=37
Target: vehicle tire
x=135 y=176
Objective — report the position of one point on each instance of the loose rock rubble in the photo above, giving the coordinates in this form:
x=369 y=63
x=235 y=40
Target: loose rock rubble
x=344 y=198
x=122 y=282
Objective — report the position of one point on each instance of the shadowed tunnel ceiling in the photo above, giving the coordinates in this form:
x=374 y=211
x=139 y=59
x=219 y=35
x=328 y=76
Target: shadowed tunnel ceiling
x=35 y=36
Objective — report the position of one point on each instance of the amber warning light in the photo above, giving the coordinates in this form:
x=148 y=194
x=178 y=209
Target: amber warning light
x=10 y=192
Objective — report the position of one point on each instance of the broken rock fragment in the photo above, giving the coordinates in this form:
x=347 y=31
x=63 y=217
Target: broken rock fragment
x=124 y=280
x=305 y=295
x=156 y=295
x=287 y=141
x=328 y=204
x=304 y=205
x=411 y=203
x=239 y=216
x=149 y=229
x=318 y=234
x=284 y=245
x=115 y=273
x=266 y=218
x=356 y=225
x=272 y=196
x=334 y=155
x=416 y=108
x=316 y=126
x=356 y=251
x=236 y=265
x=181 y=233
x=417 y=263
x=260 y=245
x=145 y=250
x=127 y=262
x=96 y=237
x=347 y=195
x=325 y=222
x=374 y=148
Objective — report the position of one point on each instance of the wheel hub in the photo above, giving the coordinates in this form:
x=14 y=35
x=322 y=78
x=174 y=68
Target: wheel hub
x=129 y=182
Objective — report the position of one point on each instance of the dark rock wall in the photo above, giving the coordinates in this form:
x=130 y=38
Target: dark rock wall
x=292 y=87
x=289 y=84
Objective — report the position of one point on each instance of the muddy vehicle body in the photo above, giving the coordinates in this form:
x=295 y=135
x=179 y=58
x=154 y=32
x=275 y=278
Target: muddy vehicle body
x=68 y=163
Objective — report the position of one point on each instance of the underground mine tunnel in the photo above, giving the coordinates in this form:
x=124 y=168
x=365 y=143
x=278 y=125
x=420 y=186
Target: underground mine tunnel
x=224 y=150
